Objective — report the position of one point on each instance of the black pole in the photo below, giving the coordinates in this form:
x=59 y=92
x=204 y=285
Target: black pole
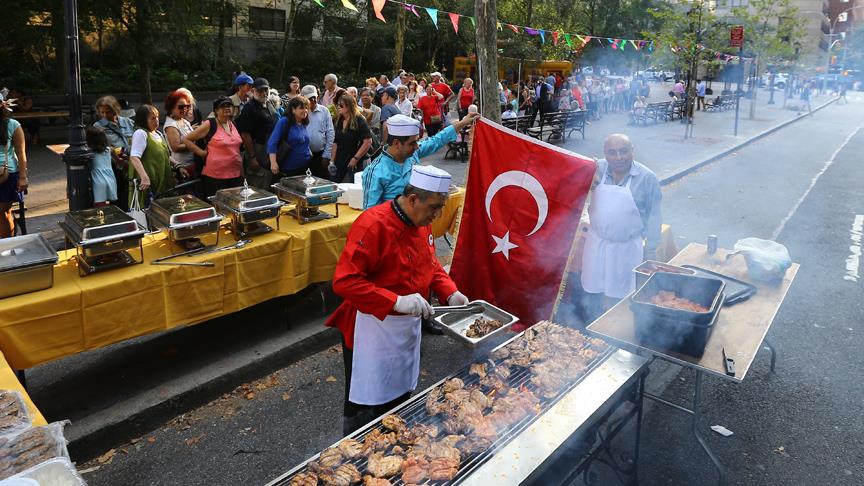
x=77 y=156
x=738 y=92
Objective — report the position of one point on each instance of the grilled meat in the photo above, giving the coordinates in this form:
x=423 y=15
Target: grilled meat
x=382 y=466
x=330 y=458
x=372 y=481
x=412 y=435
x=453 y=426
x=378 y=441
x=393 y=422
x=502 y=372
x=480 y=399
x=414 y=470
x=452 y=384
x=350 y=448
x=474 y=444
x=305 y=478
x=494 y=383
x=500 y=353
x=478 y=369
x=344 y=475
x=434 y=405
x=458 y=397
x=665 y=298
x=397 y=451
x=443 y=468
x=481 y=327
x=451 y=440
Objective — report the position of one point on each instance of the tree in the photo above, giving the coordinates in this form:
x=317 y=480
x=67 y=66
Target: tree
x=487 y=58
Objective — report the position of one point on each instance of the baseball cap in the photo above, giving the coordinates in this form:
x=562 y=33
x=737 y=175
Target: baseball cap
x=221 y=101
x=309 y=91
x=436 y=73
x=261 y=83
x=391 y=91
x=242 y=78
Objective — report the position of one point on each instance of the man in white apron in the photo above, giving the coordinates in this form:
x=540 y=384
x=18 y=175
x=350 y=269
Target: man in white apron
x=624 y=209
x=386 y=269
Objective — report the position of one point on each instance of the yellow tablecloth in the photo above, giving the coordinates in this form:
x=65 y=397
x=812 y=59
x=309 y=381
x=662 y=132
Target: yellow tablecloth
x=79 y=314
x=8 y=381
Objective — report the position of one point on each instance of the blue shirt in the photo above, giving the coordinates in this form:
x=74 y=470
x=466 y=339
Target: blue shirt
x=10 y=158
x=700 y=89
x=320 y=130
x=385 y=178
x=297 y=138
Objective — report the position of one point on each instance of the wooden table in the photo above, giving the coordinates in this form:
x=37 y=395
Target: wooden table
x=58 y=148
x=24 y=115
x=740 y=329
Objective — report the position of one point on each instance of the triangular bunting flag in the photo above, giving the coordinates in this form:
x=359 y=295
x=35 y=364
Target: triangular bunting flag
x=635 y=44
x=473 y=23
x=377 y=5
x=349 y=5
x=433 y=13
x=498 y=25
x=512 y=27
x=412 y=9
x=567 y=40
x=585 y=39
x=319 y=3
x=555 y=38
x=531 y=31
x=542 y=37
x=454 y=19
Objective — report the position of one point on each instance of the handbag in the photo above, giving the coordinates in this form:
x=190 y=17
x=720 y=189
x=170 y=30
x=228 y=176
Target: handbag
x=4 y=172
x=135 y=208
x=435 y=119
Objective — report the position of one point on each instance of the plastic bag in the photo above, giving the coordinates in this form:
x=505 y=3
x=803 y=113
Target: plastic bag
x=56 y=472
x=766 y=260
x=14 y=416
x=32 y=447
x=135 y=208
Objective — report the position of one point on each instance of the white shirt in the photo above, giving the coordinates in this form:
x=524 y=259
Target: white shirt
x=139 y=142
x=184 y=127
x=406 y=107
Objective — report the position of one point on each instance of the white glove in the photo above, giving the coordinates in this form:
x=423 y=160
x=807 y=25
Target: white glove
x=458 y=298
x=413 y=305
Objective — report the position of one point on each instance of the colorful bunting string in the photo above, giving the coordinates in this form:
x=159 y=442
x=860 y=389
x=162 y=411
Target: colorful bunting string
x=433 y=12
x=454 y=19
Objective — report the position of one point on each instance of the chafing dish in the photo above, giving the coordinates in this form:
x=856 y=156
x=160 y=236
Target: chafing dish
x=26 y=264
x=308 y=193
x=184 y=217
x=101 y=236
x=248 y=207
x=456 y=322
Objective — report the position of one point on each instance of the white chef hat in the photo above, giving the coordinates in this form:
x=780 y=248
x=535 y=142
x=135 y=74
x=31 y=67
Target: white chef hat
x=430 y=178
x=403 y=126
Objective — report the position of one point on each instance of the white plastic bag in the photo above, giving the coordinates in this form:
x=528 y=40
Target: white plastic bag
x=135 y=208
x=766 y=260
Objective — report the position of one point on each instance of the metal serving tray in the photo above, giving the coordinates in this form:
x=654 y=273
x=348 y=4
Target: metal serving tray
x=184 y=217
x=291 y=195
x=98 y=224
x=249 y=216
x=308 y=184
x=456 y=323
x=244 y=198
x=26 y=265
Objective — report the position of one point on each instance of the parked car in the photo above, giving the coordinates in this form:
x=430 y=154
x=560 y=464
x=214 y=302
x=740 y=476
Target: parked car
x=656 y=74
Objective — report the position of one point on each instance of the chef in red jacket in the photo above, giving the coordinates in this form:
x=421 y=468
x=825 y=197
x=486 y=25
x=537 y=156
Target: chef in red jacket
x=385 y=273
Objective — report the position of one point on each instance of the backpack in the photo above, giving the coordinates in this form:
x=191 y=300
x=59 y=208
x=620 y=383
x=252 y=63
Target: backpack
x=202 y=143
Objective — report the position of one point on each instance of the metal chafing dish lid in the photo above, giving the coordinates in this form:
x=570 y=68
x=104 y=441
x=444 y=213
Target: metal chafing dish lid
x=101 y=222
x=245 y=198
x=181 y=210
x=308 y=184
x=25 y=251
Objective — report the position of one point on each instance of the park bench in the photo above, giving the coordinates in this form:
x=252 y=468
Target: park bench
x=519 y=123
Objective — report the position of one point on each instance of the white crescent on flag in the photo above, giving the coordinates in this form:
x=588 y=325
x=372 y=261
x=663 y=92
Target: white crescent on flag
x=517 y=178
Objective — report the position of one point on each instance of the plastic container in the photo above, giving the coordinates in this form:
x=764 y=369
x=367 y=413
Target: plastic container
x=14 y=416
x=53 y=472
x=31 y=448
x=677 y=330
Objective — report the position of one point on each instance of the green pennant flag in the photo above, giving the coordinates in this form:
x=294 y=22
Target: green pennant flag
x=319 y=3
x=473 y=23
x=567 y=40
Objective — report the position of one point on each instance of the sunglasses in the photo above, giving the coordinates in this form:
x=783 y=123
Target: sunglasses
x=183 y=107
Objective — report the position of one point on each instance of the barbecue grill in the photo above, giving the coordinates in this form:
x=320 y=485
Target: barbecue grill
x=247 y=207
x=101 y=237
x=520 y=448
x=308 y=193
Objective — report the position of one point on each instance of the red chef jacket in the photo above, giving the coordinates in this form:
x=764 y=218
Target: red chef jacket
x=385 y=256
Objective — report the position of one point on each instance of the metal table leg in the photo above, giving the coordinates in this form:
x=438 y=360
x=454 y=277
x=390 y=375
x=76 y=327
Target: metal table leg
x=773 y=352
x=697 y=399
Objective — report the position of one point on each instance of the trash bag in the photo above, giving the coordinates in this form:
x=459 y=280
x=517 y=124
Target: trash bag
x=766 y=260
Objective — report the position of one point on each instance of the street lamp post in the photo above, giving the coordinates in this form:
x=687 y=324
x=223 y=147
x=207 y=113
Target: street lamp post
x=831 y=26
x=77 y=156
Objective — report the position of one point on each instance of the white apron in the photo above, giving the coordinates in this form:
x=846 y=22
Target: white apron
x=386 y=360
x=613 y=246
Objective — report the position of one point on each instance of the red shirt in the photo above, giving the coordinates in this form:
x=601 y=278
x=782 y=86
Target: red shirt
x=430 y=107
x=383 y=258
x=466 y=98
x=442 y=88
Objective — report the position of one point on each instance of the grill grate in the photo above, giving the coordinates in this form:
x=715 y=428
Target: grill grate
x=414 y=412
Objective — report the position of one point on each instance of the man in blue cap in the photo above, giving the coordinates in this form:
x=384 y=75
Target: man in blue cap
x=243 y=86
x=387 y=175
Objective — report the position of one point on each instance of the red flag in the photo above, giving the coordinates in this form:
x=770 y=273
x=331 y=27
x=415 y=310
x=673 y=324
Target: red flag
x=522 y=207
x=454 y=19
x=555 y=38
x=378 y=5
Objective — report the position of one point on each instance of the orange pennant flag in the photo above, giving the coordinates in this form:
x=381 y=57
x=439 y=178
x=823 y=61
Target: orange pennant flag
x=513 y=28
x=378 y=5
x=454 y=19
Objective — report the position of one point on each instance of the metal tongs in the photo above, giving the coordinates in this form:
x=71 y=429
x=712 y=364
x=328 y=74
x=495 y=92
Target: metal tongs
x=474 y=308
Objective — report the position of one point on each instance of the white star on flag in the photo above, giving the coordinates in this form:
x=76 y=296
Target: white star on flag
x=503 y=245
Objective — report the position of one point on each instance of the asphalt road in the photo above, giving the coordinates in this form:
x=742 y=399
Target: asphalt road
x=800 y=425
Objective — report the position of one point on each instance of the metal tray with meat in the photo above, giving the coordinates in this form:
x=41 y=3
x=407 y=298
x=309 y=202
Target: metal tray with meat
x=476 y=323
x=451 y=429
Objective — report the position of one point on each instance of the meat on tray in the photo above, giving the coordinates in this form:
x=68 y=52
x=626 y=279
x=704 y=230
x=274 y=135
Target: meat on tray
x=463 y=416
x=481 y=327
x=665 y=298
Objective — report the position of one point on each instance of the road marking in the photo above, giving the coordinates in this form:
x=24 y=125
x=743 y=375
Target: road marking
x=825 y=167
x=853 y=262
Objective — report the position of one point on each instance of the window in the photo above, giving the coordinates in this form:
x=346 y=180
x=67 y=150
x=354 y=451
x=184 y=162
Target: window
x=843 y=17
x=266 y=19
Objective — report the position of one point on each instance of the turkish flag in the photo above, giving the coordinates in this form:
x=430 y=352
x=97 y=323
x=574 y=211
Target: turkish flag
x=522 y=207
